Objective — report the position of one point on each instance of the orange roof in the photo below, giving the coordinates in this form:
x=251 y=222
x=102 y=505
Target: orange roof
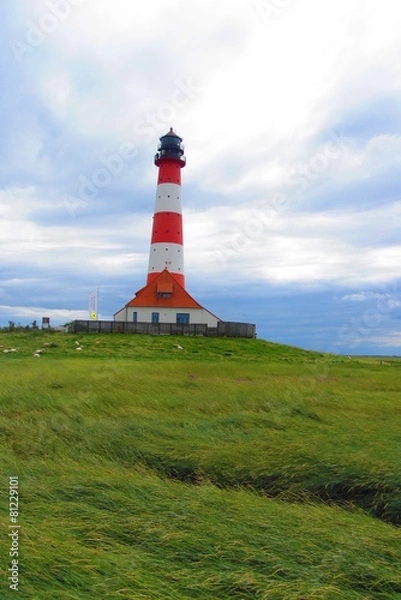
x=164 y=291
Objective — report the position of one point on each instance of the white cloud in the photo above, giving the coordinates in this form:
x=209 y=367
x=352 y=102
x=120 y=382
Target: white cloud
x=387 y=300
x=359 y=297
x=279 y=246
x=68 y=246
x=382 y=151
x=57 y=316
x=391 y=339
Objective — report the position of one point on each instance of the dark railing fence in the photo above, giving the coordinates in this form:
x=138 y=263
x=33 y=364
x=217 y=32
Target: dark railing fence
x=223 y=329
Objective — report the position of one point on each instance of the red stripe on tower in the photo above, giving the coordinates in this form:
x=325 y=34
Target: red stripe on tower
x=167 y=248
x=167 y=227
x=169 y=172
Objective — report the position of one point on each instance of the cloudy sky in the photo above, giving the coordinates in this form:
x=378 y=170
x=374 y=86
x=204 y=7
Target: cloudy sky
x=290 y=112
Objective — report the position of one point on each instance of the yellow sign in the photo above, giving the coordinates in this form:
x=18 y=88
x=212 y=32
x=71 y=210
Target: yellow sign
x=93 y=315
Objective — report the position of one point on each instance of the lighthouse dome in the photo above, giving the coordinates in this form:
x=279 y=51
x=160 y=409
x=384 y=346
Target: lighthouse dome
x=170 y=147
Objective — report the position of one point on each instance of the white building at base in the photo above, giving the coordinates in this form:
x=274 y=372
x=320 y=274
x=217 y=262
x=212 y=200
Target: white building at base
x=164 y=300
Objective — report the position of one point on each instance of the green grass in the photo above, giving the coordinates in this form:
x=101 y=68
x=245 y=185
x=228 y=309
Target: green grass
x=227 y=468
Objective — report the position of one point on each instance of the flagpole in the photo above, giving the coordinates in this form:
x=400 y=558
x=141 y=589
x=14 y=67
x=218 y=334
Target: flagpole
x=93 y=304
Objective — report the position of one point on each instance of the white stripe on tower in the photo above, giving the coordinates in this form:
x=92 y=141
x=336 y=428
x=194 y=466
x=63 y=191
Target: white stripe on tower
x=167 y=248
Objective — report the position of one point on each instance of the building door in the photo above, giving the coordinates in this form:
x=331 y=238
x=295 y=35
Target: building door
x=135 y=317
x=182 y=318
x=155 y=317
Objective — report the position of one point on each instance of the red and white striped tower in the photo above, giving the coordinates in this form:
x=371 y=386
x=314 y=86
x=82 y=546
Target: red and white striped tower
x=167 y=249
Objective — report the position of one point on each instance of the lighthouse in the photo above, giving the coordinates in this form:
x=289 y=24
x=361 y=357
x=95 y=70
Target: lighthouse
x=164 y=306
x=167 y=246
x=164 y=299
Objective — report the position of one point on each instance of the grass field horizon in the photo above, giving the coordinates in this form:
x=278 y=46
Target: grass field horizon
x=175 y=467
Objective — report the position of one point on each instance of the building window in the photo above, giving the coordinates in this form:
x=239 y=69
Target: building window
x=182 y=318
x=155 y=317
x=135 y=317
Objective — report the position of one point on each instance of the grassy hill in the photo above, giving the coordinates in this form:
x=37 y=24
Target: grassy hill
x=194 y=468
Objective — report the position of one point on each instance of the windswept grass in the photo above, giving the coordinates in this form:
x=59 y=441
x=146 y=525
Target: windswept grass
x=99 y=530
x=222 y=469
